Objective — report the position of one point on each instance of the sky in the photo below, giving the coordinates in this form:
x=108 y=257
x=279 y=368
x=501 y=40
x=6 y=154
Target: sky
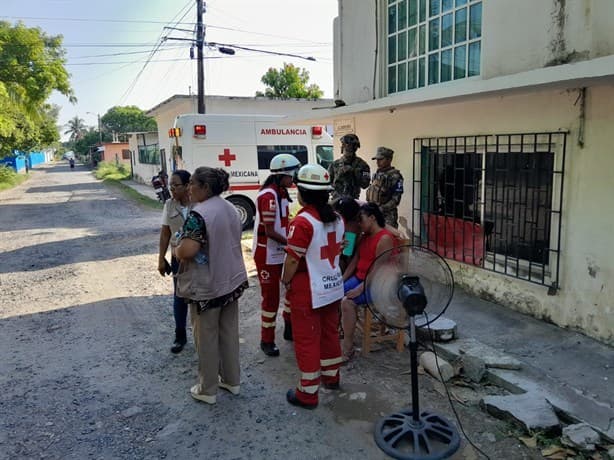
x=117 y=53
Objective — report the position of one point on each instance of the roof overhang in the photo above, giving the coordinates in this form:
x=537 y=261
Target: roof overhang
x=576 y=75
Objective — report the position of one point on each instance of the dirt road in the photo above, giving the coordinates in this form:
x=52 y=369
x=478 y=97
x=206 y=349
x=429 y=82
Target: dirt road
x=85 y=368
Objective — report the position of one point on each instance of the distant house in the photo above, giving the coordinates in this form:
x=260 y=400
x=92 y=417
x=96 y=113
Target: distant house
x=116 y=152
x=146 y=159
x=166 y=112
x=500 y=114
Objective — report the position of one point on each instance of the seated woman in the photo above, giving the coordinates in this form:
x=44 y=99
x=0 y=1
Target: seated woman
x=375 y=240
x=348 y=208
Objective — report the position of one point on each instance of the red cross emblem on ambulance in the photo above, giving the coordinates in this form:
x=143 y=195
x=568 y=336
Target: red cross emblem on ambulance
x=227 y=157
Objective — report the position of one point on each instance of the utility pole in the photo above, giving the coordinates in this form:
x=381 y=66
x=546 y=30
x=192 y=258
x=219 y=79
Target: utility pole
x=99 y=130
x=99 y=127
x=200 y=41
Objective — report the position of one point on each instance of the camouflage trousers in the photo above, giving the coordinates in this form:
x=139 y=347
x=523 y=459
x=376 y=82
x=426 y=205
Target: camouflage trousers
x=392 y=218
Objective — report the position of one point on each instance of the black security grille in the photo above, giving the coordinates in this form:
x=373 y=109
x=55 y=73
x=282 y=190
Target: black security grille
x=493 y=201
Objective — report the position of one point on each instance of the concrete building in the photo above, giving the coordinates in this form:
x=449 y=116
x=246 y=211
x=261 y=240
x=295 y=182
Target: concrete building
x=113 y=152
x=500 y=114
x=166 y=112
x=145 y=155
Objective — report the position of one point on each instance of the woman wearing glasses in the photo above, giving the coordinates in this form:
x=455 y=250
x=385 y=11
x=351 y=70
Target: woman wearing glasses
x=174 y=215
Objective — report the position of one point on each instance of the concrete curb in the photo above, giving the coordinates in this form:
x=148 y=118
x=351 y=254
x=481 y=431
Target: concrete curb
x=535 y=384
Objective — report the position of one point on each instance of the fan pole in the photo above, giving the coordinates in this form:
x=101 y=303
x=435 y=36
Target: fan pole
x=413 y=357
x=411 y=434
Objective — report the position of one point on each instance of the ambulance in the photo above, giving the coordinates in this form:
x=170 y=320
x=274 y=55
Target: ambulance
x=244 y=145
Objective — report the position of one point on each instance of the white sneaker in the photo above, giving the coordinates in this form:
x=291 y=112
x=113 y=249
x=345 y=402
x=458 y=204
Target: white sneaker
x=204 y=398
x=234 y=389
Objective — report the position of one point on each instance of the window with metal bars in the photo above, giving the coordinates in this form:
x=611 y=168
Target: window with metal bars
x=493 y=201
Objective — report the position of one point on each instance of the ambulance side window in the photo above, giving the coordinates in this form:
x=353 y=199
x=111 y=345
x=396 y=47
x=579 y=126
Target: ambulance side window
x=267 y=152
x=324 y=155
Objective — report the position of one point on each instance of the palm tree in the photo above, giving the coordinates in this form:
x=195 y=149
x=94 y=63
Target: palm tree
x=76 y=128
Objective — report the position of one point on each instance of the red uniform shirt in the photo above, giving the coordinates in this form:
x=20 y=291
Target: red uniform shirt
x=268 y=207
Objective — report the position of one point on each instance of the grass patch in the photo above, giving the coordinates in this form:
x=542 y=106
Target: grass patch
x=112 y=174
x=111 y=171
x=9 y=178
x=133 y=195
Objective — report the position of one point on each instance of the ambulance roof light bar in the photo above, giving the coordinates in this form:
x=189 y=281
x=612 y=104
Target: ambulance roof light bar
x=316 y=132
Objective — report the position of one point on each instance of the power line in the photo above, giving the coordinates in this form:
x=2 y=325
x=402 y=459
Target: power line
x=136 y=62
x=137 y=21
x=127 y=53
x=263 y=34
x=172 y=22
x=130 y=21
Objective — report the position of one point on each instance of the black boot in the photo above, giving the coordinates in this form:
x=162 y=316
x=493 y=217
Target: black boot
x=180 y=340
x=287 y=330
x=269 y=348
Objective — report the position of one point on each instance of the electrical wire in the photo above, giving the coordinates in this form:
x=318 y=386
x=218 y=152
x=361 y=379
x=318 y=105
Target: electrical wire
x=150 y=61
x=136 y=21
x=460 y=425
x=187 y=8
x=127 y=53
x=228 y=45
x=130 y=21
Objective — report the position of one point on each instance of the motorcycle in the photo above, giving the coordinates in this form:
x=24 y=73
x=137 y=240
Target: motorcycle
x=159 y=183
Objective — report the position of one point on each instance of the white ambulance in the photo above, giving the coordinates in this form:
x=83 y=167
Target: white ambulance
x=244 y=145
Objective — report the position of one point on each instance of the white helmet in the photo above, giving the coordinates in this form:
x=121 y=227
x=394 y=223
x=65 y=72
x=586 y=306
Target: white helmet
x=313 y=177
x=284 y=163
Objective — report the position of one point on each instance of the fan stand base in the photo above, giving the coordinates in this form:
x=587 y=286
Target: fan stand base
x=428 y=436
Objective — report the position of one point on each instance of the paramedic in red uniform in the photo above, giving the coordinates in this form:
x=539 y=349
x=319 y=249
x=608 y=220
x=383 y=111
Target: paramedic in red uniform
x=314 y=286
x=270 y=232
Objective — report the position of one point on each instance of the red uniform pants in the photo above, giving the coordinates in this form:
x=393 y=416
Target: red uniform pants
x=269 y=277
x=316 y=343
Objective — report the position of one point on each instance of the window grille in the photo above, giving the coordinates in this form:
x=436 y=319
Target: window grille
x=432 y=41
x=149 y=154
x=493 y=201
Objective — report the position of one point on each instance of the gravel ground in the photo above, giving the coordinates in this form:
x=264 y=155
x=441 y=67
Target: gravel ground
x=85 y=368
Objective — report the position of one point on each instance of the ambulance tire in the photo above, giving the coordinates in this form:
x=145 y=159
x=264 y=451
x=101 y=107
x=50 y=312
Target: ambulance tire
x=246 y=211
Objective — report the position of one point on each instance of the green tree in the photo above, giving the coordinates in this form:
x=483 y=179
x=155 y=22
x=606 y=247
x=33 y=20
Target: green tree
x=289 y=82
x=31 y=68
x=127 y=119
x=76 y=128
x=89 y=138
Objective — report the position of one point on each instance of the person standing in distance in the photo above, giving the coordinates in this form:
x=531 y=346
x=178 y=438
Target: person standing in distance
x=386 y=187
x=314 y=286
x=270 y=233
x=174 y=215
x=349 y=173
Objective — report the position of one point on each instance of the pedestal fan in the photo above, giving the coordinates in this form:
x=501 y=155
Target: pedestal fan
x=401 y=283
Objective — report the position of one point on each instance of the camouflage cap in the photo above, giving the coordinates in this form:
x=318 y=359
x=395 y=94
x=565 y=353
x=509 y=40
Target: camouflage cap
x=383 y=152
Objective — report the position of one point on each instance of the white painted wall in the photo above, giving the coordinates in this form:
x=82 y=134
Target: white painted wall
x=517 y=36
x=142 y=172
x=586 y=298
x=354 y=50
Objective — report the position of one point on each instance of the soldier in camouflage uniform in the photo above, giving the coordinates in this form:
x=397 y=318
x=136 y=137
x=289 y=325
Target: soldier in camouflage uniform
x=349 y=173
x=387 y=186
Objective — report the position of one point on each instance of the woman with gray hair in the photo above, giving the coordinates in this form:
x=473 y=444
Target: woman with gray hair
x=212 y=277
